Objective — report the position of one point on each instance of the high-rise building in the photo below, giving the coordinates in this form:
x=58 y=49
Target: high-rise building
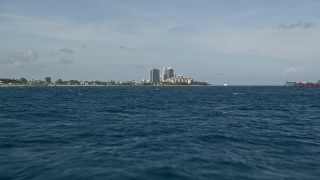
x=154 y=75
x=167 y=73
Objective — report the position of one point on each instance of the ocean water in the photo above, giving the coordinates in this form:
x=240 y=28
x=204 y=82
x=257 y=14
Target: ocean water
x=159 y=133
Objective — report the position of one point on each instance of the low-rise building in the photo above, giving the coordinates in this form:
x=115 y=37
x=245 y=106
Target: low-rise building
x=180 y=79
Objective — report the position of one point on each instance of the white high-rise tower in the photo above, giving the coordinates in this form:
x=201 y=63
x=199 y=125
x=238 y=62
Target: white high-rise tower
x=167 y=73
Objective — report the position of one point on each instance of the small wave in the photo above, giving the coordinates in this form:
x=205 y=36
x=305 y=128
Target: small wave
x=237 y=93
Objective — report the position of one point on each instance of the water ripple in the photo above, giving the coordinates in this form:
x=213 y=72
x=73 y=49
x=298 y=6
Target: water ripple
x=159 y=133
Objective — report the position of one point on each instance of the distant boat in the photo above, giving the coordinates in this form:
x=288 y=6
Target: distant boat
x=226 y=84
x=302 y=83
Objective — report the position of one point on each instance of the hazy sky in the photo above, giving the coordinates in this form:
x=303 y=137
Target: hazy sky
x=217 y=41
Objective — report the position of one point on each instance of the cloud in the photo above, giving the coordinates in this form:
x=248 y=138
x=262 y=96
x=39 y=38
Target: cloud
x=266 y=42
x=124 y=48
x=300 y=24
x=292 y=70
x=66 y=50
x=24 y=64
x=108 y=32
x=83 y=46
x=66 y=61
x=18 y=59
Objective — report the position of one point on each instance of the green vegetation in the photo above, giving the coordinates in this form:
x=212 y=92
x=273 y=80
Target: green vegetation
x=199 y=83
x=182 y=83
x=23 y=80
x=48 y=80
x=59 y=82
x=10 y=81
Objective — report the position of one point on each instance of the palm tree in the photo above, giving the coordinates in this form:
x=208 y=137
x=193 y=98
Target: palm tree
x=48 y=80
x=23 y=80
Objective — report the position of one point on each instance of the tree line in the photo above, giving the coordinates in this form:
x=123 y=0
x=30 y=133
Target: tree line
x=23 y=80
x=48 y=81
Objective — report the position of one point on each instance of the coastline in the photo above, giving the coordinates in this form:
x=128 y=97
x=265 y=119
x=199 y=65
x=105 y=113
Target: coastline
x=18 y=85
x=209 y=85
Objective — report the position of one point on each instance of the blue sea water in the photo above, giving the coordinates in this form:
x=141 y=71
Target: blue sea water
x=159 y=132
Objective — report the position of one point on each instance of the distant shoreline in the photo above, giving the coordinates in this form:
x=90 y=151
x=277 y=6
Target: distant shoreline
x=209 y=85
x=18 y=85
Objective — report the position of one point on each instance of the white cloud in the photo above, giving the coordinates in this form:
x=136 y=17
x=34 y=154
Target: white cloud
x=293 y=70
x=293 y=45
x=98 y=32
x=22 y=64
x=29 y=56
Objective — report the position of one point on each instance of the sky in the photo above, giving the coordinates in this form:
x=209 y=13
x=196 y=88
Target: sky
x=247 y=42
